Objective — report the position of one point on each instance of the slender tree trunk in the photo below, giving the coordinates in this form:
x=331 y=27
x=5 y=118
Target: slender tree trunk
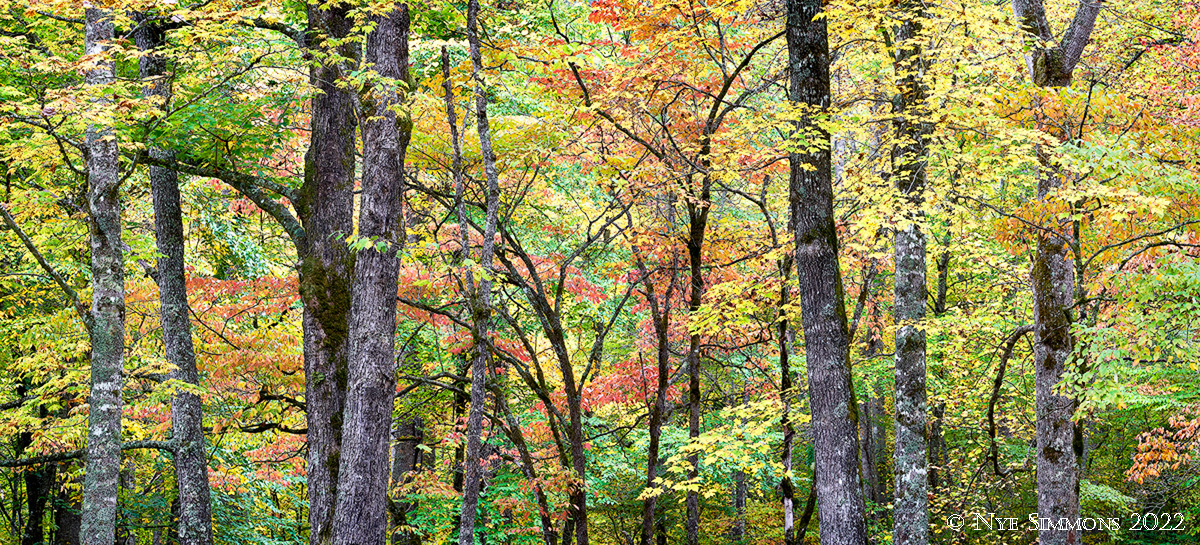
x=661 y=316
x=38 y=484
x=1060 y=443
x=406 y=460
x=867 y=460
x=737 y=533
x=325 y=209
x=67 y=519
x=911 y=512
x=187 y=410
x=937 y=439
x=787 y=391
x=101 y=480
x=481 y=300
x=513 y=430
x=698 y=224
x=361 y=514
x=823 y=313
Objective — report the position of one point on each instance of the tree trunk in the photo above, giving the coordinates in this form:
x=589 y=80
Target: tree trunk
x=867 y=459
x=38 y=484
x=787 y=391
x=67 y=519
x=325 y=209
x=100 y=487
x=481 y=300
x=1053 y=277
x=661 y=317
x=823 y=313
x=698 y=224
x=187 y=410
x=911 y=503
x=361 y=514
x=737 y=533
x=406 y=460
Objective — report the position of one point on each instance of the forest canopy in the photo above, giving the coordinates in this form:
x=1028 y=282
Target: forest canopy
x=606 y=272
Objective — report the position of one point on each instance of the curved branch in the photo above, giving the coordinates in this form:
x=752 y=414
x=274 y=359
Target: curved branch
x=993 y=449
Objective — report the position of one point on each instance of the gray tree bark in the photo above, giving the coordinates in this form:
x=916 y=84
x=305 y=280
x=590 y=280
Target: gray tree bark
x=107 y=317
x=1060 y=441
x=910 y=516
x=361 y=513
x=823 y=312
x=325 y=209
x=481 y=300
x=187 y=410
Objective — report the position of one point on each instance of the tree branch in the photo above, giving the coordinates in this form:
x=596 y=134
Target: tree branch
x=83 y=312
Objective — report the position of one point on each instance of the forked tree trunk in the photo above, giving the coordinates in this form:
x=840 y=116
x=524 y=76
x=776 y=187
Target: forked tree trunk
x=1059 y=440
x=911 y=513
x=325 y=209
x=107 y=317
x=823 y=313
x=361 y=514
x=187 y=410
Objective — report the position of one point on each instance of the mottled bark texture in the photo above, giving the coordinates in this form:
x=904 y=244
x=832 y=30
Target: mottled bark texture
x=787 y=390
x=698 y=224
x=187 y=410
x=823 y=313
x=325 y=207
x=107 y=317
x=910 y=516
x=361 y=514
x=481 y=299
x=1059 y=440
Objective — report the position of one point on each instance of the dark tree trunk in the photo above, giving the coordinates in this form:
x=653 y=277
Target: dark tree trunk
x=868 y=438
x=787 y=391
x=823 y=313
x=698 y=219
x=107 y=320
x=1053 y=277
x=67 y=519
x=187 y=410
x=38 y=484
x=737 y=534
x=513 y=430
x=937 y=439
x=406 y=460
x=361 y=514
x=325 y=209
x=910 y=517
x=481 y=300
x=661 y=317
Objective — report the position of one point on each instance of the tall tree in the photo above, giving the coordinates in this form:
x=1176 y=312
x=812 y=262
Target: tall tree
x=481 y=299
x=187 y=409
x=1059 y=439
x=325 y=209
x=911 y=515
x=361 y=512
x=107 y=317
x=823 y=313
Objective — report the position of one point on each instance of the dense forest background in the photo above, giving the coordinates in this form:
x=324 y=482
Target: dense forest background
x=611 y=272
